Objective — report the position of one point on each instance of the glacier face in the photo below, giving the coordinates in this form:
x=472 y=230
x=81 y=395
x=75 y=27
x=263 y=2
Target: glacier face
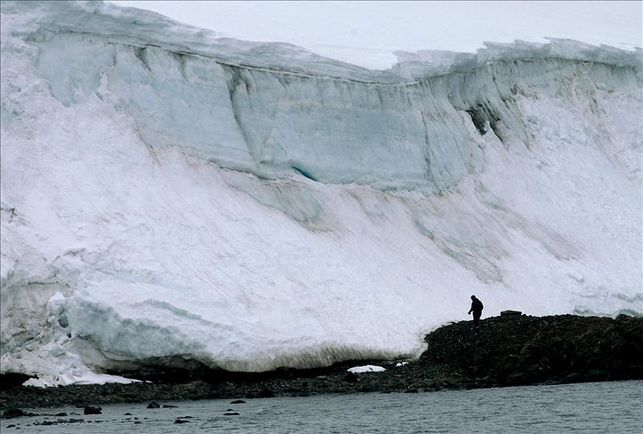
x=169 y=196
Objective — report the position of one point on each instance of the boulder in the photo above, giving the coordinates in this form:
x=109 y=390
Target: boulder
x=509 y=313
x=92 y=410
x=13 y=412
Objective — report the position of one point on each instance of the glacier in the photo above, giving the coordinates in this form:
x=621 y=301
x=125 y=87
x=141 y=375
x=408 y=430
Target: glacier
x=174 y=197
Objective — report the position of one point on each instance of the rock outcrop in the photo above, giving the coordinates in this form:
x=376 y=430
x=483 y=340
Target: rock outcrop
x=519 y=349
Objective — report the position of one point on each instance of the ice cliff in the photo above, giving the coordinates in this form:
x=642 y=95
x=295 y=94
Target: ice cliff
x=173 y=197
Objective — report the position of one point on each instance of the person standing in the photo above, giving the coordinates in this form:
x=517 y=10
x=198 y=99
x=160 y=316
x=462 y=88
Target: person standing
x=476 y=308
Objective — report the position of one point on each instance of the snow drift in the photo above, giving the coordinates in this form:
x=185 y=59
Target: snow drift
x=173 y=197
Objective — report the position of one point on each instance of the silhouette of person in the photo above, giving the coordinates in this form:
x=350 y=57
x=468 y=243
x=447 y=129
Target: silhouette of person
x=476 y=308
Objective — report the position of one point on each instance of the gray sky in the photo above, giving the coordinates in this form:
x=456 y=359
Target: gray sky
x=366 y=33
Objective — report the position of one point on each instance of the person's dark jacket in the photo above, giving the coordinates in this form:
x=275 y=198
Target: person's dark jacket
x=476 y=306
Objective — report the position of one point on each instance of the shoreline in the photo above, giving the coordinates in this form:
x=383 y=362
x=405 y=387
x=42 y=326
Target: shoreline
x=509 y=350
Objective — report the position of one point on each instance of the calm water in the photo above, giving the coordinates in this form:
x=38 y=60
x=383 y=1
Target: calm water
x=590 y=407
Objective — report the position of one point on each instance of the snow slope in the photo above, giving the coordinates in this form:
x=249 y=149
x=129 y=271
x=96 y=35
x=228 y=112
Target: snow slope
x=171 y=197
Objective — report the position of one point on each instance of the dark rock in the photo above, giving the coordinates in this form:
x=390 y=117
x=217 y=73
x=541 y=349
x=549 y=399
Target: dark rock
x=510 y=313
x=351 y=377
x=13 y=412
x=238 y=401
x=127 y=414
x=12 y=380
x=92 y=410
x=520 y=350
x=266 y=393
x=10 y=426
x=181 y=421
x=231 y=413
x=153 y=405
x=137 y=422
x=170 y=406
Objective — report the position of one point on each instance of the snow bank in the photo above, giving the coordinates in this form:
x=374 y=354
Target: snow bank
x=366 y=368
x=170 y=197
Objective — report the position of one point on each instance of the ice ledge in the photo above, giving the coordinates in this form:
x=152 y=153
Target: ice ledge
x=425 y=63
x=145 y=28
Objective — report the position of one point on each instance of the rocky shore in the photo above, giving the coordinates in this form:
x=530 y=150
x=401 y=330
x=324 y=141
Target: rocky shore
x=508 y=350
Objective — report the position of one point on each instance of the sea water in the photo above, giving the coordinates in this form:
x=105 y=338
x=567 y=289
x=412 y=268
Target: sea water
x=609 y=407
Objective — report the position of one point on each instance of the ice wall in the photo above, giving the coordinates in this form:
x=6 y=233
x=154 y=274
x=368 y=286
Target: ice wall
x=171 y=197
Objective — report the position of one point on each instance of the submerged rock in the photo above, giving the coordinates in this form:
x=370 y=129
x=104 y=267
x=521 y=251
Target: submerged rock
x=10 y=413
x=92 y=410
